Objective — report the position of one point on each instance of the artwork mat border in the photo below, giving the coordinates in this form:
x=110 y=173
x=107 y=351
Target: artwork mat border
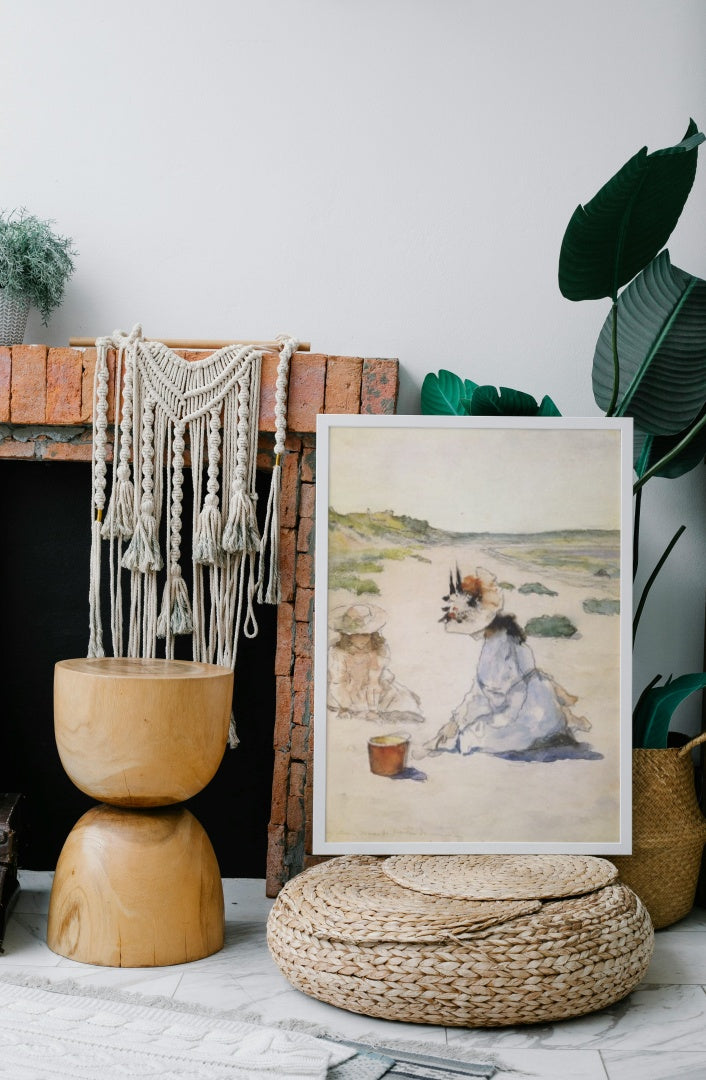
x=322 y=846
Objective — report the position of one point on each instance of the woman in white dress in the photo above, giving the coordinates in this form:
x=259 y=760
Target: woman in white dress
x=512 y=706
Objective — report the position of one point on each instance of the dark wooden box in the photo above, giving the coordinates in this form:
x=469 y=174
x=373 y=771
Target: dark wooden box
x=10 y=834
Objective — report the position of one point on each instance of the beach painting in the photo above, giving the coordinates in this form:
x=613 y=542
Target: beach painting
x=472 y=626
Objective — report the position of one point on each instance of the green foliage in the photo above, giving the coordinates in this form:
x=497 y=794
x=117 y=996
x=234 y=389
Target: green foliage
x=536 y=587
x=661 y=349
x=446 y=394
x=650 y=359
x=601 y=606
x=35 y=263
x=654 y=710
x=551 y=626
x=610 y=239
x=352 y=583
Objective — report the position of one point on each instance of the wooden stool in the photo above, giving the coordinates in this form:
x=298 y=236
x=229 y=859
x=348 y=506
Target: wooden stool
x=137 y=886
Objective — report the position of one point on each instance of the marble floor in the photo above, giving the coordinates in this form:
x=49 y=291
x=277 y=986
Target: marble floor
x=658 y=1033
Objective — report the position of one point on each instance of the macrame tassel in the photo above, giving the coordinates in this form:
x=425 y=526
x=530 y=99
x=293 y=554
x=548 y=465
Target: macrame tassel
x=241 y=532
x=175 y=614
x=95 y=640
x=120 y=517
x=208 y=548
x=143 y=552
x=273 y=593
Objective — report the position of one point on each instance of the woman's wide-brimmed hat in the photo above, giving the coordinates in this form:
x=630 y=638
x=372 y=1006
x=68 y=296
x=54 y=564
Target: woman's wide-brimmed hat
x=472 y=603
x=357 y=619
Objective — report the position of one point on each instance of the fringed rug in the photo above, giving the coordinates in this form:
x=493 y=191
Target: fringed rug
x=63 y=1031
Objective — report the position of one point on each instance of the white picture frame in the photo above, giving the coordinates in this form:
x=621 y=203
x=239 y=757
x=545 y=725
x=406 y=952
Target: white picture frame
x=473 y=619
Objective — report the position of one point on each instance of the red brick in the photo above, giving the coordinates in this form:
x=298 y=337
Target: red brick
x=303 y=640
x=292 y=443
x=28 y=384
x=343 y=382
x=302 y=674
x=53 y=451
x=275 y=860
x=304 y=605
x=64 y=379
x=295 y=816
x=305 y=571
x=307 y=500
x=267 y=391
x=300 y=739
x=283 y=712
x=309 y=464
x=297 y=779
x=380 y=385
x=89 y=368
x=280 y=786
x=306 y=391
x=5 y=374
x=306 y=534
x=302 y=709
x=287 y=562
x=289 y=500
x=10 y=448
x=284 y=653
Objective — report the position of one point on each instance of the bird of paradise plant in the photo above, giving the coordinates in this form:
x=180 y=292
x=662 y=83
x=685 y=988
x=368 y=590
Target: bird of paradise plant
x=650 y=358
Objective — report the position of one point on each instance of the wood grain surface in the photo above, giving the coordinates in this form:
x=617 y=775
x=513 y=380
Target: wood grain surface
x=136 y=888
x=141 y=732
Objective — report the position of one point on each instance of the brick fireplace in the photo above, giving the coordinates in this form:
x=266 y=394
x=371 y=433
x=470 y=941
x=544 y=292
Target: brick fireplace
x=46 y=414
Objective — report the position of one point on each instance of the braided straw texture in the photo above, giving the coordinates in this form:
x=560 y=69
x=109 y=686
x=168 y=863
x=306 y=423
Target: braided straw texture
x=500 y=877
x=568 y=958
x=362 y=904
x=668 y=832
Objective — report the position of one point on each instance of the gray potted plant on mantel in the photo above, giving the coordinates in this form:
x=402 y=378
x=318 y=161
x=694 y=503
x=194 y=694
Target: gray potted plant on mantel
x=35 y=264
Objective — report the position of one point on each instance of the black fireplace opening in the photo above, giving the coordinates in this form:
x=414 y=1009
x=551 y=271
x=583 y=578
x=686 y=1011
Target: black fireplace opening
x=44 y=560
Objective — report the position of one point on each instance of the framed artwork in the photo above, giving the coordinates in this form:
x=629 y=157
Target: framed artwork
x=473 y=635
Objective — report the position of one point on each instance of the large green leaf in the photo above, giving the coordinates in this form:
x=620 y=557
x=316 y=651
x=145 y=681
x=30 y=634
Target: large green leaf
x=654 y=710
x=610 y=239
x=446 y=394
x=649 y=450
x=661 y=350
x=489 y=401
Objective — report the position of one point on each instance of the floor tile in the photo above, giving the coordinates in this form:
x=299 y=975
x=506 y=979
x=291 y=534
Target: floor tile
x=676 y=1065
x=652 y=1017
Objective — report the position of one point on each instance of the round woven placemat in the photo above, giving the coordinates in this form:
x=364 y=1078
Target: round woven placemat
x=500 y=877
x=360 y=903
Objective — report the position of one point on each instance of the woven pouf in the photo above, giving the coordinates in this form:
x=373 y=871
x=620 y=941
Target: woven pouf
x=349 y=933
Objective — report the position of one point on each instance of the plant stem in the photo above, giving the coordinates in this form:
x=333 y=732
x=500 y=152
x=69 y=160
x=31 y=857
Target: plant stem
x=691 y=434
x=616 y=365
x=651 y=580
x=636 y=533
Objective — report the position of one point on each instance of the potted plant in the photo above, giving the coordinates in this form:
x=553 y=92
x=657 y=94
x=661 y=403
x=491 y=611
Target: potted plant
x=649 y=364
x=35 y=264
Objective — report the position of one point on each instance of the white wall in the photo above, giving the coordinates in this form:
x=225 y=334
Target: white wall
x=382 y=177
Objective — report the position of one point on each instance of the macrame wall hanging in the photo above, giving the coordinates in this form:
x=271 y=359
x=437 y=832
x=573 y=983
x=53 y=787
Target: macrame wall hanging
x=161 y=400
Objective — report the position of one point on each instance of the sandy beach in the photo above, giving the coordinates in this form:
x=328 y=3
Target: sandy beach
x=479 y=799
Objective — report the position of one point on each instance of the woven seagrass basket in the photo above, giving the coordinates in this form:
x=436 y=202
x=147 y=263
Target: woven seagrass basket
x=346 y=933
x=669 y=832
x=13 y=318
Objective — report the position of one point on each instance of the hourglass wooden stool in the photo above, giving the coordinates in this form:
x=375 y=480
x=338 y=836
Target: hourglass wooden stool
x=137 y=883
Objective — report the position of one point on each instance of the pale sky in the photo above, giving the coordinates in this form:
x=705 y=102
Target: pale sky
x=467 y=479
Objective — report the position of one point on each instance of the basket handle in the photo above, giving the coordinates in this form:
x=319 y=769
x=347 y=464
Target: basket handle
x=690 y=745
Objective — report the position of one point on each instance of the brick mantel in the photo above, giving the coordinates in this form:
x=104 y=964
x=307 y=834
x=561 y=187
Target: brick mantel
x=46 y=397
